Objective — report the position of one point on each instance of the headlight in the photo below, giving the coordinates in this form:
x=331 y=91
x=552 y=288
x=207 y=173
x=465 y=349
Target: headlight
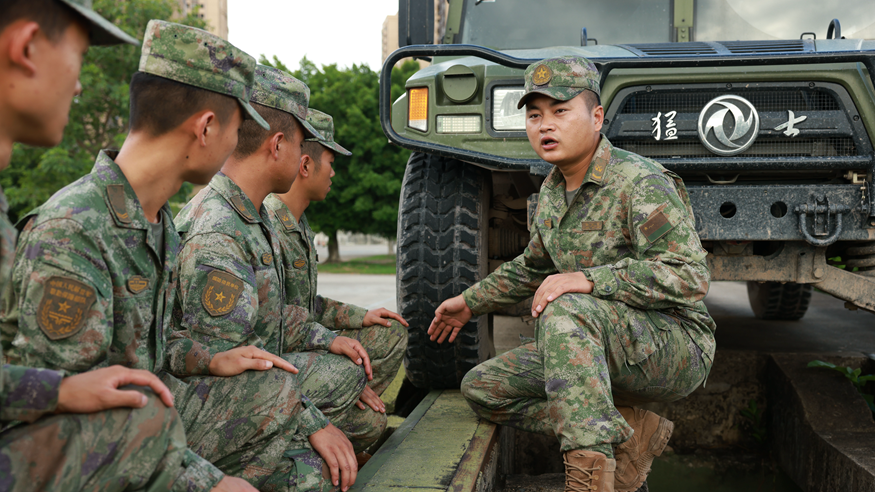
x=417 y=111
x=458 y=124
x=505 y=115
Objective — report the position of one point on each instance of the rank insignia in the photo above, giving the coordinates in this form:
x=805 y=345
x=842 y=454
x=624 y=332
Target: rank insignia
x=299 y=263
x=239 y=205
x=137 y=284
x=286 y=218
x=62 y=310
x=266 y=258
x=656 y=226
x=548 y=223
x=221 y=293
x=116 y=194
x=542 y=75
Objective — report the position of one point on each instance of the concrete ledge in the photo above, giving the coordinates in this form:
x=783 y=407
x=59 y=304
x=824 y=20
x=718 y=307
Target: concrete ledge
x=821 y=432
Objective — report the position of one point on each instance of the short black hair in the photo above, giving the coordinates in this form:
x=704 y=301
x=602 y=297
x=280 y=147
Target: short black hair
x=160 y=105
x=314 y=150
x=592 y=99
x=52 y=16
x=252 y=135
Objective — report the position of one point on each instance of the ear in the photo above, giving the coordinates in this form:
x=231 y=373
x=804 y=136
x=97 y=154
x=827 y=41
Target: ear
x=274 y=143
x=205 y=126
x=22 y=46
x=306 y=166
x=599 y=115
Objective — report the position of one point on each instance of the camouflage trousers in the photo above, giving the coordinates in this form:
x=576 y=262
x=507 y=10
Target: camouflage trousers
x=246 y=425
x=115 y=450
x=333 y=382
x=589 y=355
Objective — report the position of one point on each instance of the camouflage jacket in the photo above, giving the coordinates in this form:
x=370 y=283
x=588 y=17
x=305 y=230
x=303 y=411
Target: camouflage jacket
x=89 y=289
x=230 y=292
x=300 y=262
x=629 y=229
x=26 y=393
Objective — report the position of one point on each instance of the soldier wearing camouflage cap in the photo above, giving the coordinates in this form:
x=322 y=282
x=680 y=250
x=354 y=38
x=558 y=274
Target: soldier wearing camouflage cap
x=38 y=450
x=230 y=291
x=618 y=276
x=381 y=332
x=93 y=287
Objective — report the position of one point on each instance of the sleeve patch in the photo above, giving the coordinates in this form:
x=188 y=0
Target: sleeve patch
x=64 y=306
x=656 y=226
x=221 y=293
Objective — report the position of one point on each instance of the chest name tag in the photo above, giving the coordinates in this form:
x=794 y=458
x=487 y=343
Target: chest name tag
x=221 y=293
x=591 y=225
x=61 y=312
x=656 y=226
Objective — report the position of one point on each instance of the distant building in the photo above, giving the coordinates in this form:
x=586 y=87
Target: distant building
x=214 y=12
x=390 y=29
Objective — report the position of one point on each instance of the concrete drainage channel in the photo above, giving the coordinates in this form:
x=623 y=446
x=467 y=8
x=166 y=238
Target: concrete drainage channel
x=807 y=430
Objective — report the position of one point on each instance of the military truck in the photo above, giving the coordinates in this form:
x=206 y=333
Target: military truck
x=767 y=112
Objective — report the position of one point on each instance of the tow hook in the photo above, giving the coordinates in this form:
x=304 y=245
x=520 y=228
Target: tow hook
x=821 y=210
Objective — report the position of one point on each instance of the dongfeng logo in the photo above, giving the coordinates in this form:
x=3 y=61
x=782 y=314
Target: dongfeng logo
x=728 y=125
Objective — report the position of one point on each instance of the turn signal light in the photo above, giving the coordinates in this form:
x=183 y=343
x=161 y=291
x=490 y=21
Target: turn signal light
x=417 y=111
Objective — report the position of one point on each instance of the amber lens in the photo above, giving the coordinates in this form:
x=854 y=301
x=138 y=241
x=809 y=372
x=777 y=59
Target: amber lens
x=418 y=109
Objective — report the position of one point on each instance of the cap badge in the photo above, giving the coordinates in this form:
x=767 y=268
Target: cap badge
x=542 y=75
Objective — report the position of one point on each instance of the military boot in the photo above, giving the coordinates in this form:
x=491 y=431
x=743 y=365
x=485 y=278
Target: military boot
x=587 y=471
x=635 y=456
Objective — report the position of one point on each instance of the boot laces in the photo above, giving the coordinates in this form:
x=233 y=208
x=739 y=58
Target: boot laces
x=584 y=483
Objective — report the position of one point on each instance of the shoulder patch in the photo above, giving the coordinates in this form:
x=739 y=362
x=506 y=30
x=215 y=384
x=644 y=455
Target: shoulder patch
x=656 y=226
x=286 y=218
x=137 y=284
x=221 y=293
x=240 y=205
x=61 y=312
x=116 y=194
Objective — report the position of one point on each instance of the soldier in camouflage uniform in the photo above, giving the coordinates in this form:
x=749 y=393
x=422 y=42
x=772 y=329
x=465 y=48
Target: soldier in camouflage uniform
x=95 y=266
x=618 y=276
x=381 y=332
x=92 y=444
x=231 y=277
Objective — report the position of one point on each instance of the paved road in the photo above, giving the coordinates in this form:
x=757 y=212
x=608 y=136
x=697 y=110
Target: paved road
x=828 y=326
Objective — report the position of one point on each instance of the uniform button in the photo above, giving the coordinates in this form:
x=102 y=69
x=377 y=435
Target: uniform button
x=608 y=288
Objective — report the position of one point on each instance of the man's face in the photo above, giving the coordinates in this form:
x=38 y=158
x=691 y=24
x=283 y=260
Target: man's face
x=45 y=104
x=562 y=132
x=320 y=182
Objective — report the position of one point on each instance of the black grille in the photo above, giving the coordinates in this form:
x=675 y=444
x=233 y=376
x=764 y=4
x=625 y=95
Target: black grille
x=763 y=147
x=672 y=49
x=741 y=47
x=763 y=100
x=721 y=48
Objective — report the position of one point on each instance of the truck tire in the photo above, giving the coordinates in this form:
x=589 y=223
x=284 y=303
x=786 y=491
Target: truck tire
x=777 y=301
x=441 y=251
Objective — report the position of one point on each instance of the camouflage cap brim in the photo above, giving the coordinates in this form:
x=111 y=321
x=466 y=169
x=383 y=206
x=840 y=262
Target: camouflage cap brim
x=103 y=32
x=558 y=93
x=309 y=131
x=249 y=113
x=332 y=145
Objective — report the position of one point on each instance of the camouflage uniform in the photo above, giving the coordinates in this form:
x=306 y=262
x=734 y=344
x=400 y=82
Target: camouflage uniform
x=642 y=335
x=90 y=290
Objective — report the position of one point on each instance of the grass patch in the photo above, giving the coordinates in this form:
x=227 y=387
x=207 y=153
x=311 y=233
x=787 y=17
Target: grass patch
x=375 y=265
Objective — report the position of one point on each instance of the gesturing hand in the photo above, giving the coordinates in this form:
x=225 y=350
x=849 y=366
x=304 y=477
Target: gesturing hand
x=98 y=390
x=370 y=398
x=337 y=452
x=555 y=285
x=235 y=361
x=380 y=317
x=353 y=349
x=449 y=318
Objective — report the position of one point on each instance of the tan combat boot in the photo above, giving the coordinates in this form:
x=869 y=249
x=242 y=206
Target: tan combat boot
x=635 y=456
x=587 y=471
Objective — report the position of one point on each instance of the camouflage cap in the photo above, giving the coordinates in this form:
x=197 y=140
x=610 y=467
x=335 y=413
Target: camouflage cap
x=195 y=57
x=279 y=90
x=561 y=78
x=325 y=124
x=103 y=32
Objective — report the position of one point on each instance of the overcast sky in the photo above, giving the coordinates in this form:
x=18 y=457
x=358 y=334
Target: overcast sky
x=326 y=31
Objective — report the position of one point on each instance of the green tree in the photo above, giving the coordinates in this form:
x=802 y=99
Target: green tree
x=98 y=117
x=366 y=188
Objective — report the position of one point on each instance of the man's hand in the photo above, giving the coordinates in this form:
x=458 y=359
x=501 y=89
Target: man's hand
x=381 y=317
x=337 y=452
x=353 y=349
x=233 y=484
x=370 y=398
x=235 y=361
x=556 y=285
x=449 y=318
x=98 y=390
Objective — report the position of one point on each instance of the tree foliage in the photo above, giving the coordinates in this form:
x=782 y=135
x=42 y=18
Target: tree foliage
x=98 y=117
x=365 y=190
